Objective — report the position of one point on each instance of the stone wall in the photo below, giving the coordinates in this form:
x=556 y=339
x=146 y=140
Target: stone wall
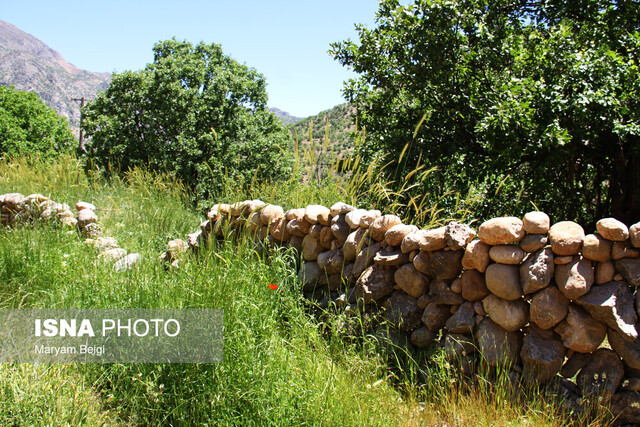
x=547 y=301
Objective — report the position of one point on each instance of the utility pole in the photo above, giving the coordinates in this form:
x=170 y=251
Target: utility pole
x=80 y=142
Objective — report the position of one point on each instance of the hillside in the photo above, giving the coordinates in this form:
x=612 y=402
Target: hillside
x=286 y=118
x=329 y=131
x=29 y=64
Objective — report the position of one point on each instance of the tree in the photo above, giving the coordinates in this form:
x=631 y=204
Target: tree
x=517 y=102
x=28 y=126
x=195 y=112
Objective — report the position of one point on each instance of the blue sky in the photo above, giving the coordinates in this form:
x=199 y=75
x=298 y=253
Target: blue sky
x=286 y=40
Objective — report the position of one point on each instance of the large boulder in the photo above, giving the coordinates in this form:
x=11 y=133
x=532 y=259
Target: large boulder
x=500 y=231
x=536 y=222
x=506 y=254
x=504 y=281
x=548 y=307
x=310 y=275
x=542 y=356
x=367 y=218
x=497 y=346
x=602 y=376
x=271 y=213
x=423 y=337
x=612 y=229
x=445 y=265
x=463 y=320
x=396 y=234
x=311 y=248
x=331 y=262
x=473 y=286
x=340 y=229
x=458 y=235
x=380 y=226
x=374 y=284
x=440 y=292
x=86 y=216
x=566 y=238
x=435 y=316
x=476 y=256
x=402 y=311
x=596 y=248
x=533 y=242
x=317 y=214
x=629 y=351
x=365 y=258
x=575 y=278
x=612 y=304
x=340 y=208
x=511 y=315
x=355 y=242
x=537 y=270
x=630 y=270
x=411 y=280
x=581 y=332
x=353 y=218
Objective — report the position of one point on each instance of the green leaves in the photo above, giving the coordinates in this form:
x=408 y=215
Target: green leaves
x=540 y=95
x=195 y=112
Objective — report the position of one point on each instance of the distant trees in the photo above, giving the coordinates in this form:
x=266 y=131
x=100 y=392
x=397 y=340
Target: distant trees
x=516 y=102
x=28 y=126
x=195 y=112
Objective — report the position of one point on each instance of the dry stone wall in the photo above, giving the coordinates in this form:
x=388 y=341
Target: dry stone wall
x=547 y=300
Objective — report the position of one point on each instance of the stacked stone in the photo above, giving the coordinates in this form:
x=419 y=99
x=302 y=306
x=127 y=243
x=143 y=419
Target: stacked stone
x=523 y=293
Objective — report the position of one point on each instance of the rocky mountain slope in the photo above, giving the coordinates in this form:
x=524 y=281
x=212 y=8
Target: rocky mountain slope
x=29 y=64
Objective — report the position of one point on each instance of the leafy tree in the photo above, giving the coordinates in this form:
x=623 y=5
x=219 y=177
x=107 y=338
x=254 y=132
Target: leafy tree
x=195 y=112
x=516 y=102
x=27 y=125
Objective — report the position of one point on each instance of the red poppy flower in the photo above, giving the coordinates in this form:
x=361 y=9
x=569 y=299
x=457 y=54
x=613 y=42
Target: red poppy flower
x=273 y=286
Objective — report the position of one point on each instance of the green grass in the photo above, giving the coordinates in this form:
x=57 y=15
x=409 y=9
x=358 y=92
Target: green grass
x=281 y=365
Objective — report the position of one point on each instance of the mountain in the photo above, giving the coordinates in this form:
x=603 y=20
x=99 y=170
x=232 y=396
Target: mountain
x=286 y=118
x=29 y=64
x=332 y=129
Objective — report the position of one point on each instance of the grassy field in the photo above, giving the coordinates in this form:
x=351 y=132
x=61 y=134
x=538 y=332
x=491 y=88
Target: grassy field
x=282 y=366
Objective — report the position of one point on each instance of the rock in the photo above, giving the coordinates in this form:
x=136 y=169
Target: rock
x=478 y=307
x=311 y=248
x=310 y=275
x=506 y=254
x=69 y=222
x=84 y=205
x=623 y=250
x=575 y=279
x=368 y=217
x=463 y=320
x=331 y=262
x=411 y=280
x=365 y=258
x=299 y=228
x=457 y=346
x=548 y=307
x=295 y=242
x=355 y=242
x=435 y=316
x=422 y=263
x=612 y=304
x=423 y=337
x=86 y=216
x=630 y=270
x=567 y=395
x=411 y=241
x=353 y=218
x=625 y=407
x=604 y=272
x=511 y=315
x=381 y=224
x=374 y=284
x=278 y=230
x=317 y=214
x=562 y=260
x=340 y=229
x=537 y=270
x=500 y=231
x=271 y=213
x=395 y=234
x=440 y=293
x=581 y=332
x=402 y=311
x=327 y=237
x=473 y=286
x=458 y=235
x=445 y=265
x=566 y=238
x=423 y=301
x=13 y=200
x=602 y=375
x=340 y=208
x=104 y=243
x=297 y=214
x=536 y=222
x=476 y=256
x=497 y=346
x=92 y=231
x=504 y=281
x=391 y=258
x=634 y=235
x=433 y=239
x=612 y=229
x=542 y=356
x=533 y=242
x=112 y=255
x=630 y=384
x=629 y=351
x=575 y=362
x=127 y=262
x=596 y=248
x=456 y=286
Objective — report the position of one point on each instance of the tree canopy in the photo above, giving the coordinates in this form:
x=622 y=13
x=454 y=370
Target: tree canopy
x=195 y=112
x=28 y=126
x=520 y=103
